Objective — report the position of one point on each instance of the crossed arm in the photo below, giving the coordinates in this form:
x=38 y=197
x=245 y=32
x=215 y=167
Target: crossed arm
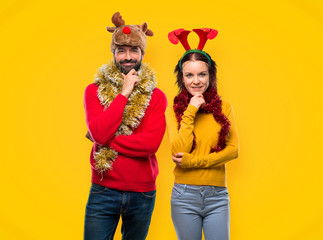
x=103 y=124
x=181 y=141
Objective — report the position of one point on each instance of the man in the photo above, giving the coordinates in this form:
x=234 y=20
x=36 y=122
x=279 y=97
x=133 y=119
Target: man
x=125 y=118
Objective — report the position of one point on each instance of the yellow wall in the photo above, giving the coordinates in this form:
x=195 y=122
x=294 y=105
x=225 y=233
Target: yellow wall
x=269 y=56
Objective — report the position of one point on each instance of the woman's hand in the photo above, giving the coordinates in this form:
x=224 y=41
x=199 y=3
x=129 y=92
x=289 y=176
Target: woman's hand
x=177 y=158
x=197 y=101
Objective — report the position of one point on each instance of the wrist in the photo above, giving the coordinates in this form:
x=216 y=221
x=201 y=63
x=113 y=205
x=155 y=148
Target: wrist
x=126 y=94
x=194 y=106
x=185 y=160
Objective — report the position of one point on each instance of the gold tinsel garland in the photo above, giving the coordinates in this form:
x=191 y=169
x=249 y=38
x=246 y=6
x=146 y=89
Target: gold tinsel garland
x=110 y=81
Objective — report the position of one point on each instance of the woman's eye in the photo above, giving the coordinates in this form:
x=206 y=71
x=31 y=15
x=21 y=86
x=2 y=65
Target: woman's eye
x=189 y=75
x=202 y=74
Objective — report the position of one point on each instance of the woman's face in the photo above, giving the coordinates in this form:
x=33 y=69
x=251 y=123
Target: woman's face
x=195 y=76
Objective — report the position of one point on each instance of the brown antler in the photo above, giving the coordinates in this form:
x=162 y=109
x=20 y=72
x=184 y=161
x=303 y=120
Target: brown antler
x=117 y=20
x=144 y=28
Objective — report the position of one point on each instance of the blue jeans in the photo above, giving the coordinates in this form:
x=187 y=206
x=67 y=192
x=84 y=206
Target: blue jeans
x=200 y=207
x=105 y=206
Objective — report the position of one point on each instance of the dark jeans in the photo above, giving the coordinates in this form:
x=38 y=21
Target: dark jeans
x=105 y=206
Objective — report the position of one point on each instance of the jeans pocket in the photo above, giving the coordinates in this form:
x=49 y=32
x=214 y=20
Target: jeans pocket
x=178 y=190
x=96 y=188
x=149 y=195
x=222 y=192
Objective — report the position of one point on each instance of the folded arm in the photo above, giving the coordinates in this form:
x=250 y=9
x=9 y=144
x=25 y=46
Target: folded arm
x=215 y=159
x=181 y=140
x=146 y=141
x=102 y=123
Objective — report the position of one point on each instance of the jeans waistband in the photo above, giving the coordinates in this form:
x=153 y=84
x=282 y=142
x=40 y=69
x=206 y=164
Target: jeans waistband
x=199 y=188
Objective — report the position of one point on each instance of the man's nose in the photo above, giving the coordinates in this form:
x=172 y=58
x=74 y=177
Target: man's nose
x=128 y=56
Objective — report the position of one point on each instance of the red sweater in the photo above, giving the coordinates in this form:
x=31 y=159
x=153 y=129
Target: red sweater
x=135 y=169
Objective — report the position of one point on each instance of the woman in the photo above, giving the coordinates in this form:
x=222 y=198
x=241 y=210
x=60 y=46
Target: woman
x=203 y=138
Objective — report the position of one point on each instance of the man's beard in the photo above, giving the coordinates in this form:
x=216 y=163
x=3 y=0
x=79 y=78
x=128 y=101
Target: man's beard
x=128 y=69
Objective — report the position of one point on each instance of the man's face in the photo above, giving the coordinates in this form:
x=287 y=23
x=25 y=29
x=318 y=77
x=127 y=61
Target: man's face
x=127 y=58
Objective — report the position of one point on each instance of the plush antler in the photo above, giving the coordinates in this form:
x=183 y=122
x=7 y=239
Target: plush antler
x=181 y=35
x=205 y=34
x=144 y=28
x=117 y=20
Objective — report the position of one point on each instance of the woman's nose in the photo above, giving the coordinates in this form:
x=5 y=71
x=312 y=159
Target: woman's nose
x=196 y=80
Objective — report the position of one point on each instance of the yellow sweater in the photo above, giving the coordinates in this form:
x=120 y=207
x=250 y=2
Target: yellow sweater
x=200 y=167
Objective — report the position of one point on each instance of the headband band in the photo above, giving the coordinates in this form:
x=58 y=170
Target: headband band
x=194 y=51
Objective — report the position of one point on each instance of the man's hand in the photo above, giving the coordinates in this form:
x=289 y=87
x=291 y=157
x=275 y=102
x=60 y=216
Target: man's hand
x=197 y=101
x=177 y=158
x=130 y=81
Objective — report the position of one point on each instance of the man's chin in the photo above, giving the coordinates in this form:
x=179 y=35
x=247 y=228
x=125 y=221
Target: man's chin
x=126 y=70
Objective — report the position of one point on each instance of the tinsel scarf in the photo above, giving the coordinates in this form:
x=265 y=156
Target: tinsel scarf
x=110 y=81
x=212 y=105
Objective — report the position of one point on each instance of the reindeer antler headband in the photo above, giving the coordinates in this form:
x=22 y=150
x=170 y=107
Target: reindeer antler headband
x=181 y=35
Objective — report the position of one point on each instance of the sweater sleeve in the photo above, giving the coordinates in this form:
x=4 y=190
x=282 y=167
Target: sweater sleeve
x=147 y=141
x=102 y=124
x=215 y=159
x=181 y=140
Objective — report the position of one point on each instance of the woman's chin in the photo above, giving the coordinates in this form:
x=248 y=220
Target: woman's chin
x=196 y=92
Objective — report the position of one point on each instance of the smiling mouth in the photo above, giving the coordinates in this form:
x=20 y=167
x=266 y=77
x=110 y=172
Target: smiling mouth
x=197 y=88
x=128 y=64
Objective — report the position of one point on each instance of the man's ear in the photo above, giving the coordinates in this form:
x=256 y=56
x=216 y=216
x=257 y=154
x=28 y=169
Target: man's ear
x=142 y=54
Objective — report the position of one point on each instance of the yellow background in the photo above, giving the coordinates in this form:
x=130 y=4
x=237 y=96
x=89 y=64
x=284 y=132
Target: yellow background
x=269 y=56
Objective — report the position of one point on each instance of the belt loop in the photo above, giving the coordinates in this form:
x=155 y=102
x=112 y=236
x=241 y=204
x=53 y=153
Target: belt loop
x=214 y=191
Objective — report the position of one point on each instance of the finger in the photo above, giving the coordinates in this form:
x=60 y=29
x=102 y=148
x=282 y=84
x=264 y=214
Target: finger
x=132 y=72
x=177 y=163
x=123 y=75
x=136 y=80
x=179 y=155
x=176 y=160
